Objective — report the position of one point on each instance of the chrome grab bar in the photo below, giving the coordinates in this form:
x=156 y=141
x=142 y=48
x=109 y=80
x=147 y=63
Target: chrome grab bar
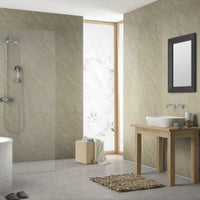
x=6 y=99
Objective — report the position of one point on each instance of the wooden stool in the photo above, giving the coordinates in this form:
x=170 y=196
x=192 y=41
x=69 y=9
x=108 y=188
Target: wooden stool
x=85 y=152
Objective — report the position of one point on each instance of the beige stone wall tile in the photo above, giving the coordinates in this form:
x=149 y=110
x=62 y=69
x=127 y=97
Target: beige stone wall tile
x=147 y=31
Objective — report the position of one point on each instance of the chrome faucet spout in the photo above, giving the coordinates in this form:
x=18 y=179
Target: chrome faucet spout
x=169 y=104
x=182 y=105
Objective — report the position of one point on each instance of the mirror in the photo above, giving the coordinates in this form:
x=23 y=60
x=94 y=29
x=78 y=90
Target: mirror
x=182 y=64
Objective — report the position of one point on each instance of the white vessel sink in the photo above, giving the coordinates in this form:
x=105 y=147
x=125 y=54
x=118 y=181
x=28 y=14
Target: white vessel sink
x=164 y=121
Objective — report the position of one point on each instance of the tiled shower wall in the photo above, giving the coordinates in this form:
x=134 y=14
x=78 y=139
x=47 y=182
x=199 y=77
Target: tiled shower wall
x=50 y=52
x=147 y=31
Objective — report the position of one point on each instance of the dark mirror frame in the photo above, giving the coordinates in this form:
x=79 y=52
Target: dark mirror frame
x=172 y=41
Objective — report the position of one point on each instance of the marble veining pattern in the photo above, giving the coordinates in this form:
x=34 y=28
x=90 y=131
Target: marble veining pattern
x=147 y=31
x=99 y=83
x=50 y=54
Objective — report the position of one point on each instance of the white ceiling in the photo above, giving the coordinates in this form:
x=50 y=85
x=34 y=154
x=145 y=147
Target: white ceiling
x=103 y=10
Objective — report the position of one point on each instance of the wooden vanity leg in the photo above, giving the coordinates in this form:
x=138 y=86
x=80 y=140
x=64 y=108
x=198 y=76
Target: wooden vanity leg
x=195 y=158
x=138 y=144
x=160 y=154
x=171 y=159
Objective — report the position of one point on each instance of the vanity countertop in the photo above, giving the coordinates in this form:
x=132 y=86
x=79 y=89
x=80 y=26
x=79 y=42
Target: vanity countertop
x=164 y=128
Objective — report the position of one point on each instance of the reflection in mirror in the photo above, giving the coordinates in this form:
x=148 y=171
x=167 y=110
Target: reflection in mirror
x=182 y=64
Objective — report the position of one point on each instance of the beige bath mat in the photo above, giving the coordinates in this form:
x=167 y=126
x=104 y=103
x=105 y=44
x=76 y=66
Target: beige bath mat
x=126 y=182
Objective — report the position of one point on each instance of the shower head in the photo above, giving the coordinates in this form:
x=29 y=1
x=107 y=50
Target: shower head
x=6 y=40
x=11 y=42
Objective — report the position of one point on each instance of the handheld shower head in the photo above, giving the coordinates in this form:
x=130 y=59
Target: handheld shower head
x=18 y=69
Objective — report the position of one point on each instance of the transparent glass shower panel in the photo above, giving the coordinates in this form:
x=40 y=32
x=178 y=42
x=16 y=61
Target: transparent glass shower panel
x=121 y=84
x=99 y=83
x=13 y=113
x=30 y=117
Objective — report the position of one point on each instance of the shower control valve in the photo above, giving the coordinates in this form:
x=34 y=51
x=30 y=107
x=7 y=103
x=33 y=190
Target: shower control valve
x=6 y=99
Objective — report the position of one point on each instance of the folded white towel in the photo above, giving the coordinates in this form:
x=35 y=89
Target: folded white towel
x=99 y=152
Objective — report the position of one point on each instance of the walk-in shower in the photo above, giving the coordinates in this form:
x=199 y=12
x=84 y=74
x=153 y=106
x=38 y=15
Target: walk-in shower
x=8 y=97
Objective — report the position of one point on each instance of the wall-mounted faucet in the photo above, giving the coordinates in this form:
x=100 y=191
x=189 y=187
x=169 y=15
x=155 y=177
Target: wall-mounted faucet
x=182 y=105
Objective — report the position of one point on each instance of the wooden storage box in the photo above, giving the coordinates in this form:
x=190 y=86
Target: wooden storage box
x=85 y=152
